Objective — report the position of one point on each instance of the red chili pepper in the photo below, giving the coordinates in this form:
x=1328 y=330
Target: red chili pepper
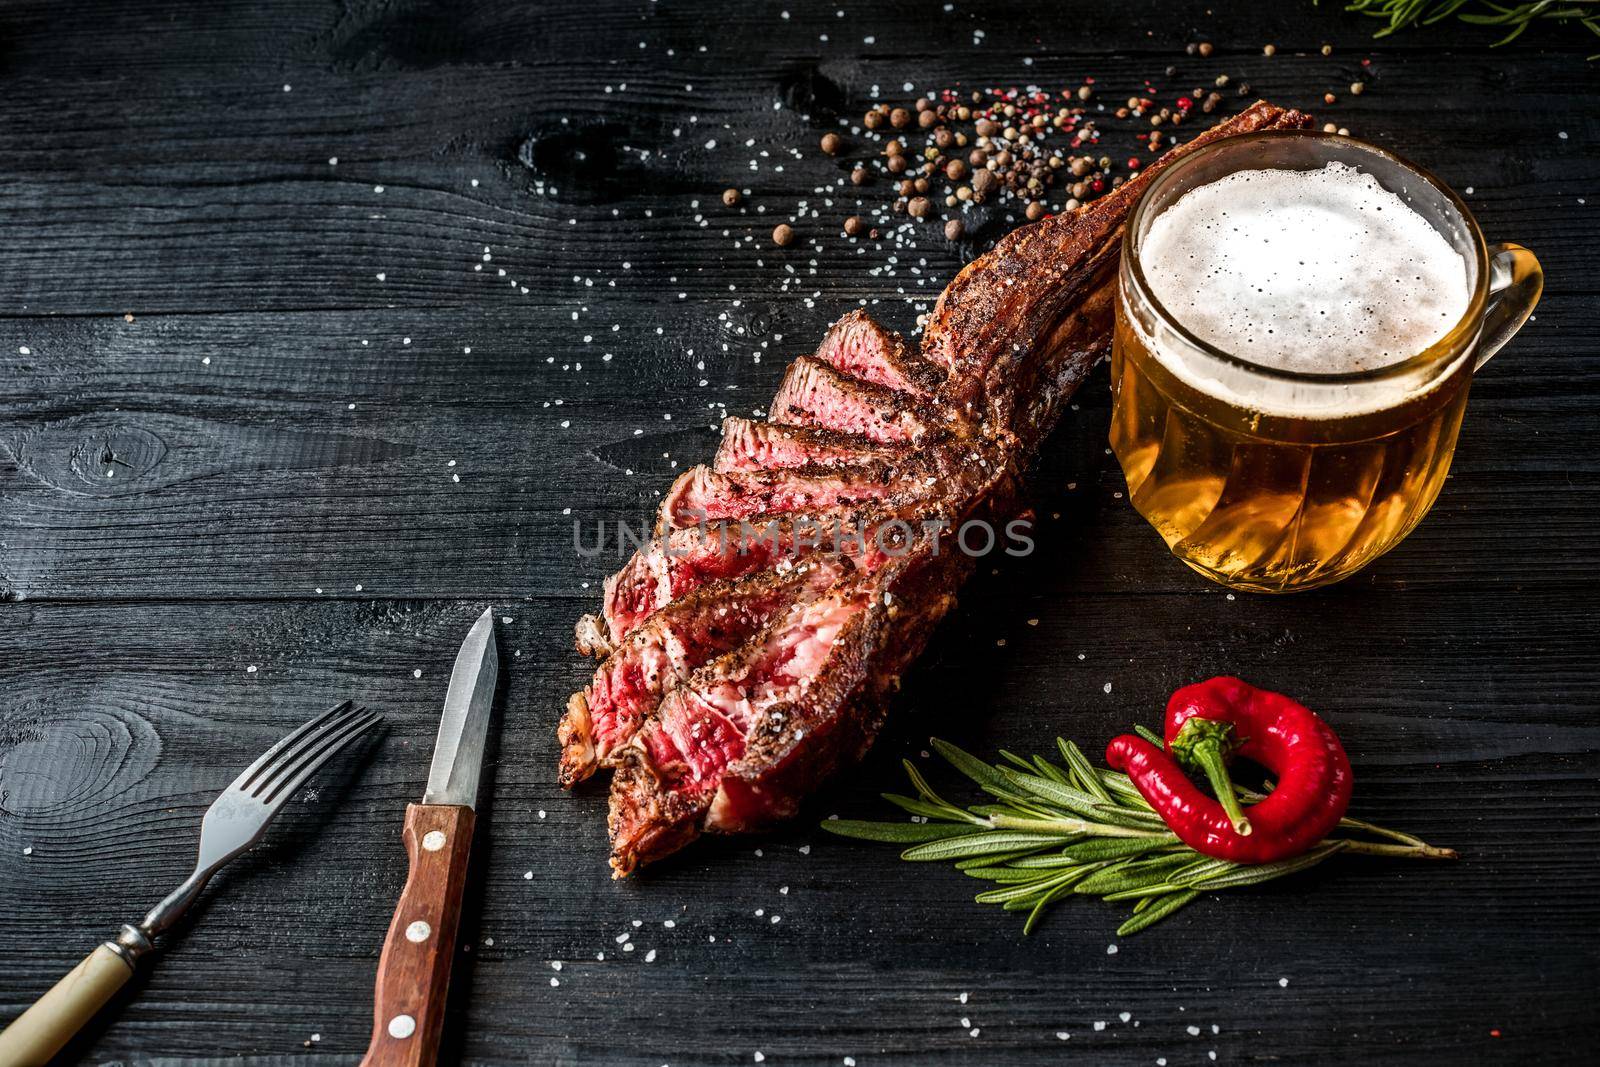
x=1207 y=722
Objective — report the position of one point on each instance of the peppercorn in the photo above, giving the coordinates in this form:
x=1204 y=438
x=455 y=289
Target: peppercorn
x=955 y=170
x=860 y=176
x=983 y=183
x=1327 y=49
x=923 y=103
x=1328 y=98
x=1222 y=80
x=1270 y=50
x=783 y=235
x=730 y=197
x=897 y=164
x=1357 y=88
x=943 y=137
x=899 y=118
x=893 y=147
x=986 y=128
x=1205 y=48
x=927 y=120
x=853 y=225
x=920 y=208
x=964 y=192
x=1035 y=211
x=872 y=120
x=831 y=143
x=906 y=187
x=954 y=229
x=1084 y=92
x=920 y=185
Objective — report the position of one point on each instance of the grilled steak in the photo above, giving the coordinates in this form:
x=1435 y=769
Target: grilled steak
x=753 y=645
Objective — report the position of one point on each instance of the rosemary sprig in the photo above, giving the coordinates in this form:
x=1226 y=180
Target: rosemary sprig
x=1075 y=830
x=1515 y=17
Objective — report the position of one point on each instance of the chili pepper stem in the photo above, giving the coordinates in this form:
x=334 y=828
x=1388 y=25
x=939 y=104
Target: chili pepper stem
x=1419 y=851
x=1205 y=743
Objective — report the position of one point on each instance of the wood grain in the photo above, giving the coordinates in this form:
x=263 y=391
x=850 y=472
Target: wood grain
x=244 y=504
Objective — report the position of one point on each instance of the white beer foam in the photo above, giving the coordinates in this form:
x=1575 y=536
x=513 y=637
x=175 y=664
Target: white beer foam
x=1318 y=271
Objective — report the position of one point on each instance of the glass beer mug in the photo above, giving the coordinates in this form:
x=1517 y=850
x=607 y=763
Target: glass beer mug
x=1274 y=453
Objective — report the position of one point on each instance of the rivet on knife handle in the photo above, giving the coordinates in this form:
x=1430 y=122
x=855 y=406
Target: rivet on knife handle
x=414 y=970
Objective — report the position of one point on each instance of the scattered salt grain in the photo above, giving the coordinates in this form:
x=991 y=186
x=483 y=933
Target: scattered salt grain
x=650 y=957
x=1100 y=1024
x=27 y=850
x=1194 y=1031
x=1111 y=950
x=1106 y=687
x=417 y=672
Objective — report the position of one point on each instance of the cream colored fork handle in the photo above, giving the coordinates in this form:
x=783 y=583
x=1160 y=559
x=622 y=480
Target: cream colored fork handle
x=38 y=1033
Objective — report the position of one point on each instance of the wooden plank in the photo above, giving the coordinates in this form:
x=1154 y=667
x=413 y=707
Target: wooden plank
x=252 y=476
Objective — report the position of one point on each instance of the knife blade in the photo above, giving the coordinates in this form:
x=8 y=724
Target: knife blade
x=414 y=970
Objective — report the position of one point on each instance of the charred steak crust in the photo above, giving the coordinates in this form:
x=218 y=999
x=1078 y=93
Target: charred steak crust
x=752 y=646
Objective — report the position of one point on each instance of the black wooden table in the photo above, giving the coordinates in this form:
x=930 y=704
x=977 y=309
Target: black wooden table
x=274 y=426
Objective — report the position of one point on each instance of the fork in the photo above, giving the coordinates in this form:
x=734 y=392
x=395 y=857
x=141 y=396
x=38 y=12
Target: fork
x=234 y=822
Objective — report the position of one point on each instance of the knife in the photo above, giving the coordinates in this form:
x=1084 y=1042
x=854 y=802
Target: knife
x=414 y=970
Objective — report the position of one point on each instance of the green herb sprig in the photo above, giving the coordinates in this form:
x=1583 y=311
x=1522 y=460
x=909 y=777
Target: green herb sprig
x=1072 y=829
x=1514 y=17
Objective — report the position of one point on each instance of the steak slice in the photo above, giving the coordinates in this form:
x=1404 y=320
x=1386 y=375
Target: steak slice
x=814 y=394
x=663 y=650
x=859 y=347
x=702 y=494
x=750 y=446
x=684 y=560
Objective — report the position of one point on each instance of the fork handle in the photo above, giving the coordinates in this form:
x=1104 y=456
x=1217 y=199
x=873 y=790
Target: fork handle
x=38 y=1033
x=414 y=970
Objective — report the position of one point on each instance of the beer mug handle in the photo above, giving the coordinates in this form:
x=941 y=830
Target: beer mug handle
x=1515 y=282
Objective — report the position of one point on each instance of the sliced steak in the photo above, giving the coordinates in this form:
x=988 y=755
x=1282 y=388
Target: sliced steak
x=859 y=347
x=743 y=738
x=750 y=446
x=661 y=652
x=814 y=394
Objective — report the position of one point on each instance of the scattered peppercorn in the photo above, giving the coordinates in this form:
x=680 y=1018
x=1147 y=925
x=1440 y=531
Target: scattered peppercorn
x=853 y=225
x=831 y=143
x=1327 y=49
x=1329 y=98
x=1205 y=48
x=899 y=118
x=1270 y=50
x=783 y=235
x=954 y=229
x=860 y=176
x=730 y=197
x=919 y=207
x=872 y=120
x=955 y=170
x=1035 y=211
x=1357 y=88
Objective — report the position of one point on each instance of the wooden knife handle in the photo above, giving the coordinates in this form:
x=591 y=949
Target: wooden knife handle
x=414 y=971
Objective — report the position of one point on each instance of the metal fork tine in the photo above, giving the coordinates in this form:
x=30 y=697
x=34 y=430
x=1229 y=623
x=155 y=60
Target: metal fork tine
x=276 y=772
x=243 y=783
x=285 y=789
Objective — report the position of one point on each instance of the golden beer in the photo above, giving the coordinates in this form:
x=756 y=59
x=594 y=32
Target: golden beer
x=1269 y=454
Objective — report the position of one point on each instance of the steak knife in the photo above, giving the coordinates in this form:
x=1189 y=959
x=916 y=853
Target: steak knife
x=414 y=970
